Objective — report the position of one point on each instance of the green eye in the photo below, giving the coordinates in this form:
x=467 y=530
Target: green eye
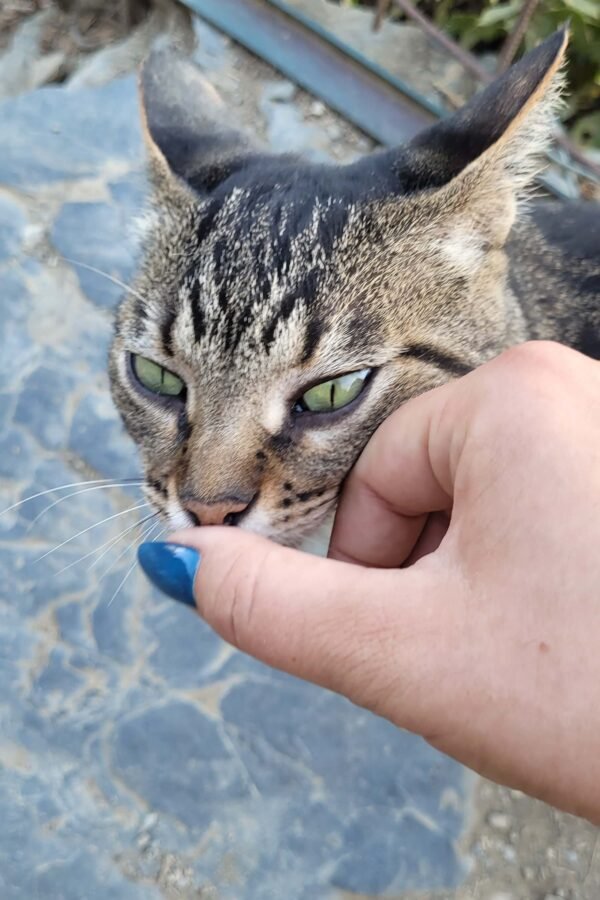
x=156 y=378
x=334 y=394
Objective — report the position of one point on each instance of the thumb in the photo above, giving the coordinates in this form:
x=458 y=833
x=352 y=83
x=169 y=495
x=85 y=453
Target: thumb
x=323 y=620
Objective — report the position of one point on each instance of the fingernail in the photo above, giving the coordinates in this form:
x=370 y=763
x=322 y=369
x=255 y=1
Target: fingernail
x=171 y=568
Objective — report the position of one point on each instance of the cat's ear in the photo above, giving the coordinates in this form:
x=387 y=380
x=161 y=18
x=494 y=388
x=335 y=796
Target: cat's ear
x=490 y=149
x=181 y=115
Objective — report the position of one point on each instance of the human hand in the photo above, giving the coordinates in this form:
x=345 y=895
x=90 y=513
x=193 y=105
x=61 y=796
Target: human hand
x=487 y=641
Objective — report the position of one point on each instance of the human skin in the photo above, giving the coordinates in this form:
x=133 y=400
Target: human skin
x=462 y=597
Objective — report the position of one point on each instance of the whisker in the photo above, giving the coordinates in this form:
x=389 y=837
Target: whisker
x=98 y=487
x=64 y=487
x=89 y=528
x=134 y=564
x=116 y=540
x=128 y=548
x=122 y=582
x=108 y=544
x=117 y=281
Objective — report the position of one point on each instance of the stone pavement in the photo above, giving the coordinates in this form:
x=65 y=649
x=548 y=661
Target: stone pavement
x=140 y=757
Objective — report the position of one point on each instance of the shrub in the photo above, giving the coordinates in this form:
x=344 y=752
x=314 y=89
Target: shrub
x=483 y=26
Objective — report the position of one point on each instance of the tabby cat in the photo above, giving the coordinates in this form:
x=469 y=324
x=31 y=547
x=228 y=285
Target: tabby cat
x=284 y=308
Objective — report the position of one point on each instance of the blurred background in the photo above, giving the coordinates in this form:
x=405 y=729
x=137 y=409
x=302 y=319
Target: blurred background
x=140 y=757
x=439 y=51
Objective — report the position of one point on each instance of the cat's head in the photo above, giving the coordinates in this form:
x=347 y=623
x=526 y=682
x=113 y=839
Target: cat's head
x=283 y=309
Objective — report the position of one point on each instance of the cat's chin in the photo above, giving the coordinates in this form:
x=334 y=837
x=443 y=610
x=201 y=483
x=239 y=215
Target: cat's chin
x=315 y=541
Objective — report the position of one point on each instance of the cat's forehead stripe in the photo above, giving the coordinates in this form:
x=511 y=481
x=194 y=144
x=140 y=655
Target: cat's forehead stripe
x=166 y=331
x=260 y=262
x=314 y=330
x=198 y=317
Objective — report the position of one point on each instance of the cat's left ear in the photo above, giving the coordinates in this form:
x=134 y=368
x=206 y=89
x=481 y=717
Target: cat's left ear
x=480 y=158
x=181 y=114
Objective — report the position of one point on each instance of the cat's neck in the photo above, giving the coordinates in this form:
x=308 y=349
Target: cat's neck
x=554 y=266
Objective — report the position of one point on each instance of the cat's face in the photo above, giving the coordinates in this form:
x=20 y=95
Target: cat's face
x=283 y=310
x=260 y=297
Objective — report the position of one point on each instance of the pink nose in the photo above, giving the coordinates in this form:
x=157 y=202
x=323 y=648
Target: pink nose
x=223 y=513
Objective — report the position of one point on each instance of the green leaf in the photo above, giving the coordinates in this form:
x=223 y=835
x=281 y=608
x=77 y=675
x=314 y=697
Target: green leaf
x=482 y=25
x=587 y=8
x=495 y=14
x=457 y=23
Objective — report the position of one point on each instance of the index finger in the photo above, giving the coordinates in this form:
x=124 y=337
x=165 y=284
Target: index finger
x=394 y=486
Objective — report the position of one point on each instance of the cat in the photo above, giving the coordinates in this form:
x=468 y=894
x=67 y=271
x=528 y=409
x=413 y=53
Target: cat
x=283 y=309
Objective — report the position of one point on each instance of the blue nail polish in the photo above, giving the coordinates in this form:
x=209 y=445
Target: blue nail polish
x=171 y=568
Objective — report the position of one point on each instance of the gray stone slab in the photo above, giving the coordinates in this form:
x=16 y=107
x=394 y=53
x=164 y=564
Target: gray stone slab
x=53 y=134
x=140 y=756
x=12 y=222
x=110 y=244
x=287 y=129
x=177 y=660
x=184 y=770
x=40 y=405
x=97 y=437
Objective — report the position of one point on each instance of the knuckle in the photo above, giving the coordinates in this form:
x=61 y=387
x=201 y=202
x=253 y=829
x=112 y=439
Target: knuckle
x=530 y=360
x=526 y=382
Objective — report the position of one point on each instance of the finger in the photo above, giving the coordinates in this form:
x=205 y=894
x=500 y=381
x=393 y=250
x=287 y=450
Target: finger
x=395 y=485
x=430 y=538
x=325 y=621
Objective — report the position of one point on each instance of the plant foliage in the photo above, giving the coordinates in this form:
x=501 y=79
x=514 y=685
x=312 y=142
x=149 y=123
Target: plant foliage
x=484 y=25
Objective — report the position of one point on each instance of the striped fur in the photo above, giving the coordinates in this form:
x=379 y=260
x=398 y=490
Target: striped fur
x=263 y=275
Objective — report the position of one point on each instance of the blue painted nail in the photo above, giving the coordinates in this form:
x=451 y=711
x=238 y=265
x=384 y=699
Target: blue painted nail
x=171 y=568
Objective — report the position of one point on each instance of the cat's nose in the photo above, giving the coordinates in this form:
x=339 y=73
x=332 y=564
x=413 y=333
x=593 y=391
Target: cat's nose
x=224 y=512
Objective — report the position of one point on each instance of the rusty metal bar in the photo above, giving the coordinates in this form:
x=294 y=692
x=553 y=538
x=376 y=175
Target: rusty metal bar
x=381 y=105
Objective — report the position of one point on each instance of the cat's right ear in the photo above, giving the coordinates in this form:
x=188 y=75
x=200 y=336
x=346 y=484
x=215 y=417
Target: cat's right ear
x=180 y=117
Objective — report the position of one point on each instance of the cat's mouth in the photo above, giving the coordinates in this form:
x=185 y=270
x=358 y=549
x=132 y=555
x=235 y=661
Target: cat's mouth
x=301 y=531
